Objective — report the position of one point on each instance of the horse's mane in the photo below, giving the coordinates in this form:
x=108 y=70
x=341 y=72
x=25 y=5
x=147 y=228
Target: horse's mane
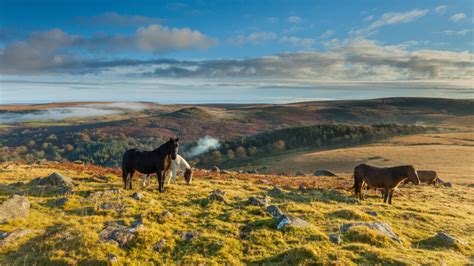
x=162 y=148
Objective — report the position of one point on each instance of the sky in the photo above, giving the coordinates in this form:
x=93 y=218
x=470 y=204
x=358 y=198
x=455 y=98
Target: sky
x=234 y=51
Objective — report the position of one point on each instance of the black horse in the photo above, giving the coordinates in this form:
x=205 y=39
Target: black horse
x=147 y=162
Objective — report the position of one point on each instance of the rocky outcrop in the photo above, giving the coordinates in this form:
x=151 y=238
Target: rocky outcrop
x=322 y=172
x=14 y=208
x=381 y=227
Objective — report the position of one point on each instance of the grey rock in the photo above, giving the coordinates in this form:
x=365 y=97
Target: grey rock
x=275 y=192
x=447 y=184
x=61 y=202
x=449 y=240
x=112 y=206
x=16 y=184
x=117 y=233
x=381 y=227
x=285 y=220
x=165 y=216
x=322 y=172
x=300 y=173
x=471 y=185
x=335 y=238
x=158 y=246
x=274 y=211
x=112 y=258
x=217 y=195
x=215 y=169
x=188 y=236
x=252 y=171
x=372 y=213
x=226 y=172
x=54 y=179
x=186 y=214
x=259 y=202
x=12 y=237
x=138 y=196
x=15 y=207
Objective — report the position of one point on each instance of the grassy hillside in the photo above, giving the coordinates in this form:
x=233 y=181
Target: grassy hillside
x=233 y=231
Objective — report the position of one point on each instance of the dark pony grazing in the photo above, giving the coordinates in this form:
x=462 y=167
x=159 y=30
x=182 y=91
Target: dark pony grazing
x=426 y=176
x=147 y=162
x=388 y=178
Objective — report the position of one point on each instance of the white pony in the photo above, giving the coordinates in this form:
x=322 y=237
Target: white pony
x=179 y=164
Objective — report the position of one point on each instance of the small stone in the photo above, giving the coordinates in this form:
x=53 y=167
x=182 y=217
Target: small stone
x=258 y=202
x=215 y=169
x=186 y=214
x=285 y=220
x=165 y=216
x=226 y=172
x=450 y=240
x=217 y=195
x=300 y=173
x=61 y=202
x=274 y=211
x=252 y=171
x=371 y=213
x=322 y=172
x=54 y=179
x=190 y=235
x=335 y=238
x=447 y=184
x=14 y=208
x=112 y=258
x=138 y=196
x=12 y=237
x=381 y=227
x=158 y=246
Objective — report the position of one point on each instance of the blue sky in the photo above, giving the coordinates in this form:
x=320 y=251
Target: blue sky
x=211 y=51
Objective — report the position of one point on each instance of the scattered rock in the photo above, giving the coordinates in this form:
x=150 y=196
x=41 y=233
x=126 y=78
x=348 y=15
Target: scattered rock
x=117 y=234
x=322 y=172
x=226 y=172
x=253 y=172
x=12 y=237
x=258 y=202
x=285 y=220
x=78 y=162
x=471 y=185
x=335 y=238
x=16 y=184
x=215 y=169
x=61 y=202
x=105 y=193
x=371 y=213
x=274 y=211
x=138 y=196
x=217 y=195
x=300 y=173
x=165 y=216
x=447 y=184
x=158 y=246
x=188 y=236
x=13 y=208
x=381 y=227
x=54 y=179
x=186 y=214
x=448 y=239
x=112 y=206
x=275 y=192
x=112 y=258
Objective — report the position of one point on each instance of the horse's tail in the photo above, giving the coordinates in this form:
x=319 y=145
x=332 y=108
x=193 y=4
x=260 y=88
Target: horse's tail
x=126 y=164
x=357 y=180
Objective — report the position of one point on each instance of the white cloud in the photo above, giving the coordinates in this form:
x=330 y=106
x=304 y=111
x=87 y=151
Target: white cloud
x=440 y=9
x=253 y=38
x=297 y=41
x=368 y=18
x=156 y=38
x=458 y=17
x=458 y=32
x=327 y=33
x=115 y=19
x=294 y=19
x=392 y=18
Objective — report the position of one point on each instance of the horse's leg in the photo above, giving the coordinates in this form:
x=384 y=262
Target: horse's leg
x=144 y=177
x=173 y=173
x=130 y=179
x=168 y=177
x=125 y=178
x=390 y=196
x=161 y=181
x=385 y=195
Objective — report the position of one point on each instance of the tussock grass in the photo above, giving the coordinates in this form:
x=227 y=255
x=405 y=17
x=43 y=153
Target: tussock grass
x=233 y=232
